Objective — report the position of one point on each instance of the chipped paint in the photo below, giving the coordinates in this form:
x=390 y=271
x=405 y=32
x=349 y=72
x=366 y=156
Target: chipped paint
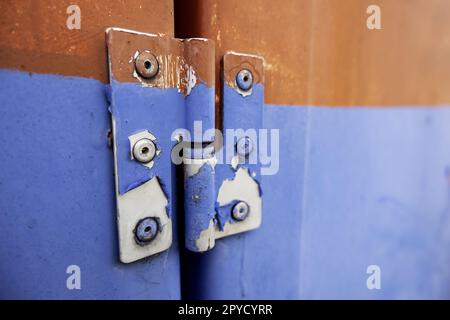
x=248 y=55
x=175 y=72
x=208 y=221
x=235 y=162
x=234 y=180
x=193 y=166
x=244 y=93
x=147 y=200
x=182 y=64
x=206 y=240
x=191 y=79
x=199 y=207
x=234 y=62
x=142 y=135
x=241 y=182
x=195 y=39
x=133 y=32
x=134 y=118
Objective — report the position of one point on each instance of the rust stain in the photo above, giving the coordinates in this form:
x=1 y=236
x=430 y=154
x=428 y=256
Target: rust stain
x=233 y=62
x=182 y=63
x=320 y=52
x=317 y=52
x=34 y=36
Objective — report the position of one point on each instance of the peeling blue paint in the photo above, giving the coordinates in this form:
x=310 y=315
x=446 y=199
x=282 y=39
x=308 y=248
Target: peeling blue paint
x=141 y=180
x=166 y=194
x=199 y=204
x=224 y=214
x=199 y=189
x=239 y=112
x=136 y=108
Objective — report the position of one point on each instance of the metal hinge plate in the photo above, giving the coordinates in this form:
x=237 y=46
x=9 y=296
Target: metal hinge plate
x=232 y=175
x=161 y=88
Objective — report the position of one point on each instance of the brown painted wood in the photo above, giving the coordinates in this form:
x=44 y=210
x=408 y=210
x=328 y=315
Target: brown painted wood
x=320 y=52
x=34 y=36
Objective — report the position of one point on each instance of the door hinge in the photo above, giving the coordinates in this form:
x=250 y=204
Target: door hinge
x=162 y=104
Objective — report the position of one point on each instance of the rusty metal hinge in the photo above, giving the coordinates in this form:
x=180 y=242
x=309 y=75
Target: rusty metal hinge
x=162 y=98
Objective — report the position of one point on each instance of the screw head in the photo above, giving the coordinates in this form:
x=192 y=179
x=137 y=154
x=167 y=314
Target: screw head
x=240 y=211
x=146 y=65
x=244 y=79
x=146 y=230
x=144 y=150
x=244 y=146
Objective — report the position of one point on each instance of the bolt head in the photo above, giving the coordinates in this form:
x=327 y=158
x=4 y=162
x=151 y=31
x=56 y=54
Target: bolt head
x=144 y=150
x=146 y=65
x=244 y=146
x=240 y=211
x=244 y=80
x=146 y=230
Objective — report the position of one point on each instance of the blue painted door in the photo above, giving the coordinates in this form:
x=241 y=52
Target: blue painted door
x=57 y=194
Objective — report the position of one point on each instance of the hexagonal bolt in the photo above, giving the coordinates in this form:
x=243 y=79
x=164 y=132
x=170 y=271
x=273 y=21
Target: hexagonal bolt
x=240 y=211
x=144 y=150
x=244 y=80
x=146 y=230
x=146 y=65
x=244 y=146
